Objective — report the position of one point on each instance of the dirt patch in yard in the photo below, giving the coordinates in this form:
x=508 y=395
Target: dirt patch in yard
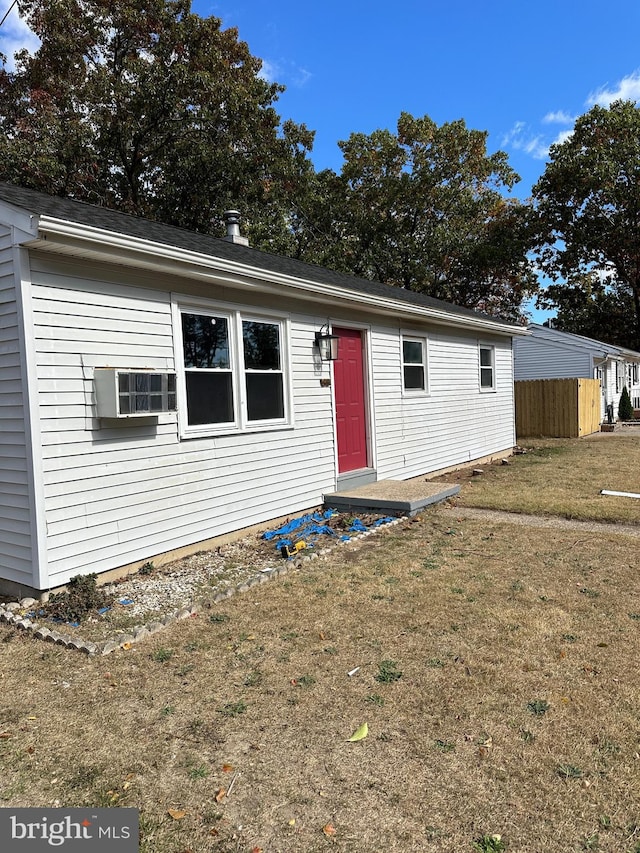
x=495 y=666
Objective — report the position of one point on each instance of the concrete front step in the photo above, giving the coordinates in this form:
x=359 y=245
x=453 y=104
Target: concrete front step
x=391 y=497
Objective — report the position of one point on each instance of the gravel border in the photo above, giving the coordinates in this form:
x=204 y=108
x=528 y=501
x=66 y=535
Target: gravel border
x=15 y=613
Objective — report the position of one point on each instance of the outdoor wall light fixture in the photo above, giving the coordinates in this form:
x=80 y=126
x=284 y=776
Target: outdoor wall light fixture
x=327 y=344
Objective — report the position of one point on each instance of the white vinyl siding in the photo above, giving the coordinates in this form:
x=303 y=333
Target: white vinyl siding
x=15 y=513
x=116 y=494
x=456 y=423
x=544 y=358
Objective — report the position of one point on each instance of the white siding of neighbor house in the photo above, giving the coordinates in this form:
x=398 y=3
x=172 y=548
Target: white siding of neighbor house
x=550 y=354
x=15 y=497
x=540 y=358
x=455 y=422
x=117 y=494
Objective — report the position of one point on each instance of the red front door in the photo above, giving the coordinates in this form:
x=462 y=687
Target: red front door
x=349 y=391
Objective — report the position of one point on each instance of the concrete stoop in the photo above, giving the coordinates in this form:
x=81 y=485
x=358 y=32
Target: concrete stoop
x=391 y=497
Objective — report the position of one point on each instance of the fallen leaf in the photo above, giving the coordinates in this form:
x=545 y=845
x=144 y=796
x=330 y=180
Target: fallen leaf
x=256 y=850
x=176 y=814
x=322 y=635
x=31 y=750
x=329 y=830
x=227 y=768
x=5 y=735
x=360 y=733
x=221 y=793
x=126 y=646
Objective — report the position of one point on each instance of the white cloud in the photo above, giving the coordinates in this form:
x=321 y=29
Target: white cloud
x=627 y=89
x=269 y=71
x=558 y=117
x=521 y=138
x=15 y=34
x=287 y=73
x=562 y=137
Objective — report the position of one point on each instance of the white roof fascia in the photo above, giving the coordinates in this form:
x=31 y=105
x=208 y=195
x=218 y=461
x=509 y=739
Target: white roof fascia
x=160 y=256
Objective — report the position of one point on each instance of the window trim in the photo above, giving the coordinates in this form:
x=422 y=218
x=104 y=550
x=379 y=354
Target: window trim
x=487 y=389
x=235 y=314
x=423 y=340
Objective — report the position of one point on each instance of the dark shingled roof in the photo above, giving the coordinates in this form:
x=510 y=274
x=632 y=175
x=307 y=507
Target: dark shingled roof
x=134 y=226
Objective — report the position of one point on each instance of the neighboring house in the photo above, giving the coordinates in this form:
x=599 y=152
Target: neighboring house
x=160 y=387
x=552 y=354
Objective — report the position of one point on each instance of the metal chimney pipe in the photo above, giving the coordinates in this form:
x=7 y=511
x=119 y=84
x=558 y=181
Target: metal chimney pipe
x=232 y=221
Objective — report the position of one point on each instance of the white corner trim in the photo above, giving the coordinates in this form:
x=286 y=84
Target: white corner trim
x=33 y=436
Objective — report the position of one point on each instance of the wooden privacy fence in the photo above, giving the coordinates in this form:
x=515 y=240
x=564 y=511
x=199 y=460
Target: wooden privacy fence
x=557 y=408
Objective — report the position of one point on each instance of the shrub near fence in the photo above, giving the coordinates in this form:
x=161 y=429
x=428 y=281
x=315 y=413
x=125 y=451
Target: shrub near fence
x=557 y=408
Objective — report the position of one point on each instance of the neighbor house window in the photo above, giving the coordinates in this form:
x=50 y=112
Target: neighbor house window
x=234 y=371
x=414 y=364
x=487 y=368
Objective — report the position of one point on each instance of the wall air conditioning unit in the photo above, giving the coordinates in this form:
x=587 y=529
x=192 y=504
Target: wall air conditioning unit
x=133 y=393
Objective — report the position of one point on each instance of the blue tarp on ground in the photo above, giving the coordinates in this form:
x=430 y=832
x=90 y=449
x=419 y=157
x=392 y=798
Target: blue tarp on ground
x=307 y=528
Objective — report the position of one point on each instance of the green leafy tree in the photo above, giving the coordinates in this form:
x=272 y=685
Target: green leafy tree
x=144 y=106
x=423 y=209
x=588 y=306
x=588 y=205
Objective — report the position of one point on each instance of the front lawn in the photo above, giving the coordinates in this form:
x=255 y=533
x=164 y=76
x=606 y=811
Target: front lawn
x=495 y=666
x=563 y=477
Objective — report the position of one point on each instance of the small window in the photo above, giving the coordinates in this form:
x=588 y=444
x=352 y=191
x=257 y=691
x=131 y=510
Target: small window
x=487 y=369
x=414 y=364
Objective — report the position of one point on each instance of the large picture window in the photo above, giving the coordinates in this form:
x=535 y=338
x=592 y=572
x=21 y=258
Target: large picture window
x=234 y=371
x=414 y=364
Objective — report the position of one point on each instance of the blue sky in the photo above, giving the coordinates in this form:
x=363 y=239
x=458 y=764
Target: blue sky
x=520 y=70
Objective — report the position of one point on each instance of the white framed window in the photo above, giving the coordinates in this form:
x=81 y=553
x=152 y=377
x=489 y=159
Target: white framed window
x=263 y=373
x=414 y=364
x=208 y=375
x=234 y=374
x=487 y=367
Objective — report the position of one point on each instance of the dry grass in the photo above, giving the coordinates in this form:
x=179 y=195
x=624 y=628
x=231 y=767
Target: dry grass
x=488 y=624
x=515 y=711
x=564 y=477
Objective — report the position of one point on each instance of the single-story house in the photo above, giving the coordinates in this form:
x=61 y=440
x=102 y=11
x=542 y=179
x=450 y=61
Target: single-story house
x=549 y=353
x=159 y=388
